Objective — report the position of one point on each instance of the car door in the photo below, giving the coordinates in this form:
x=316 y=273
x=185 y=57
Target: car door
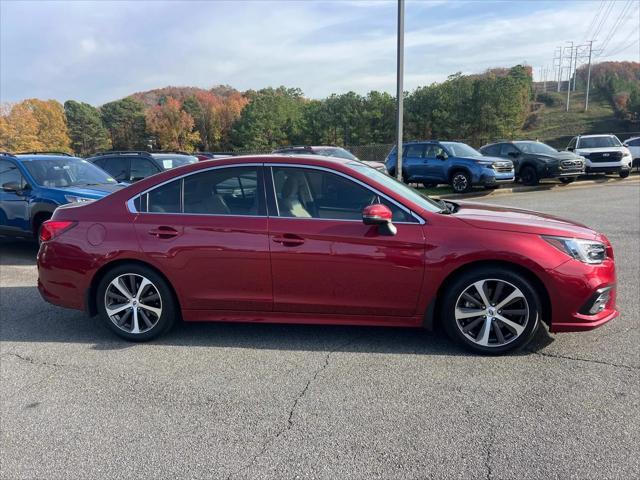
x=435 y=159
x=14 y=202
x=208 y=232
x=324 y=260
x=413 y=162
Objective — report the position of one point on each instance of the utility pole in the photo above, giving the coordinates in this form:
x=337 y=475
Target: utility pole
x=575 y=68
x=400 y=89
x=559 y=67
x=569 y=79
x=586 y=97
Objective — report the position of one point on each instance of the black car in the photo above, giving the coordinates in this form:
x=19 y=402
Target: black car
x=534 y=161
x=131 y=166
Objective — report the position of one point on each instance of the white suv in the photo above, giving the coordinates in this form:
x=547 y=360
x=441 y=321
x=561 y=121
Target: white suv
x=603 y=153
x=633 y=144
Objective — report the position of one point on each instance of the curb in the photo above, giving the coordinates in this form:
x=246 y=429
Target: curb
x=542 y=187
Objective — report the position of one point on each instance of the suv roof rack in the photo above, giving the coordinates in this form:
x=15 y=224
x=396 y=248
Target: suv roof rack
x=177 y=152
x=123 y=152
x=47 y=152
x=7 y=154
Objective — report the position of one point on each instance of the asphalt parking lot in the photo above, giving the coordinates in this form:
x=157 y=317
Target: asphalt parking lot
x=269 y=401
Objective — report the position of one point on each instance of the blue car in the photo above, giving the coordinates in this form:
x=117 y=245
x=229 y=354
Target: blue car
x=32 y=186
x=457 y=164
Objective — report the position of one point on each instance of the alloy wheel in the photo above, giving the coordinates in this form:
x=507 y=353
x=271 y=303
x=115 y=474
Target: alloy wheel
x=492 y=312
x=460 y=182
x=133 y=303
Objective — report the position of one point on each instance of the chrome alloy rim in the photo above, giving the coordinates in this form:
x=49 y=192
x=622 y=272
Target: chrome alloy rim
x=133 y=303
x=459 y=182
x=492 y=312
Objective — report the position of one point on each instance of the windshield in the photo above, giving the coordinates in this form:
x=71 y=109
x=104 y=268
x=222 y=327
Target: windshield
x=536 y=147
x=599 y=142
x=169 y=161
x=66 y=172
x=400 y=188
x=458 y=149
x=336 y=152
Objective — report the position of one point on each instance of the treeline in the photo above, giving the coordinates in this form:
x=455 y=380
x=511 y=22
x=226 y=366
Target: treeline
x=491 y=105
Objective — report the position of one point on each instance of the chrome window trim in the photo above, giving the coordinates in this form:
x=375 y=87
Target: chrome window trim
x=131 y=205
x=420 y=220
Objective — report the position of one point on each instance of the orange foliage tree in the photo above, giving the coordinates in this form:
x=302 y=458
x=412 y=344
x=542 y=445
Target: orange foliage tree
x=34 y=125
x=172 y=126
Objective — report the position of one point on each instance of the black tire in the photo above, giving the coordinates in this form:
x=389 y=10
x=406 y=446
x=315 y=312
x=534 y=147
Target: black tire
x=167 y=302
x=429 y=185
x=624 y=173
x=461 y=182
x=490 y=274
x=568 y=180
x=529 y=176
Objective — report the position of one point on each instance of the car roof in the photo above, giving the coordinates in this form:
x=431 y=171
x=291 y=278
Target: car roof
x=597 y=135
x=171 y=155
x=44 y=157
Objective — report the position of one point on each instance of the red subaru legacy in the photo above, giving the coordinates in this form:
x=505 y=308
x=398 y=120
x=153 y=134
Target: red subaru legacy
x=325 y=241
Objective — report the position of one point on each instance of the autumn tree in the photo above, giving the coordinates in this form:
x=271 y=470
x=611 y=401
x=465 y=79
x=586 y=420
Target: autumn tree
x=125 y=121
x=34 y=125
x=172 y=126
x=86 y=130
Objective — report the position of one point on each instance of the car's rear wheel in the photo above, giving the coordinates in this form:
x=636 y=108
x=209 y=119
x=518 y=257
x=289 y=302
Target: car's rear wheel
x=136 y=303
x=529 y=176
x=461 y=182
x=491 y=310
x=568 y=180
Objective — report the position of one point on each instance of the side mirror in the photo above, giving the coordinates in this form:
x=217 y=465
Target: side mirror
x=625 y=144
x=381 y=215
x=12 y=187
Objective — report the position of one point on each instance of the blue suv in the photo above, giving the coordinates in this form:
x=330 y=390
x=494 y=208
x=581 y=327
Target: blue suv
x=457 y=164
x=33 y=185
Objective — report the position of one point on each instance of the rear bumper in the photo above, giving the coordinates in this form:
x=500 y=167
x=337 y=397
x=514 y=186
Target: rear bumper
x=571 y=286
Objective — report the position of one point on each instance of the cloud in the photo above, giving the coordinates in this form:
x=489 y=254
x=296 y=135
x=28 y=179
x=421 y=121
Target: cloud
x=100 y=51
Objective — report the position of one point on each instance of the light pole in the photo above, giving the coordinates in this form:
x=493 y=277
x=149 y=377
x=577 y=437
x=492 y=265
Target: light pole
x=399 y=89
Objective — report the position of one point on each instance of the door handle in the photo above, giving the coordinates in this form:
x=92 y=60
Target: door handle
x=289 y=240
x=164 y=232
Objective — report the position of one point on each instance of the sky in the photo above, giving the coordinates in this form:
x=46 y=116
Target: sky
x=99 y=51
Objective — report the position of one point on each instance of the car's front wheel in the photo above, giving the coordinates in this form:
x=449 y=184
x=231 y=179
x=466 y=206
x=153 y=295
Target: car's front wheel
x=624 y=173
x=529 y=176
x=461 y=182
x=136 y=303
x=491 y=310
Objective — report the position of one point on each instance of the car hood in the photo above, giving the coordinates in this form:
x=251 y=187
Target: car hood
x=90 y=191
x=564 y=155
x=486 y=159
x=493 y=217
x=602 y=149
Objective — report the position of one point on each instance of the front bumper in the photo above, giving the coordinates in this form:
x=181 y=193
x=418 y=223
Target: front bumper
x=573 y=285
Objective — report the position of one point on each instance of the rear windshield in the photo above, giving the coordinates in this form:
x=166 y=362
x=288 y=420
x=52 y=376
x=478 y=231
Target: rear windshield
x=599 y=142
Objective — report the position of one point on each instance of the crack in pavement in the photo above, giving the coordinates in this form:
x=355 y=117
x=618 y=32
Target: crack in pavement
x=586 y=360
x=33 y=361
x=289 y=425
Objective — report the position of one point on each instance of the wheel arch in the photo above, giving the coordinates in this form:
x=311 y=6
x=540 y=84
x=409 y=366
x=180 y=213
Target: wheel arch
x=459 y=168
x=433 y=315
x=90 y=299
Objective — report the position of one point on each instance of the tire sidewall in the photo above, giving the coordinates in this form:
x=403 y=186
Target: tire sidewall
x=464 y=281
x=533 y=176
x=169 y=304
x=468 y=184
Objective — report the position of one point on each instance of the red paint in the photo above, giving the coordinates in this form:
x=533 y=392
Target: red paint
x=273 y=269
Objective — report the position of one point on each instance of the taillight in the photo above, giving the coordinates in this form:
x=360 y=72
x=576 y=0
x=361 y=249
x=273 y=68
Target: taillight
x=52 y=228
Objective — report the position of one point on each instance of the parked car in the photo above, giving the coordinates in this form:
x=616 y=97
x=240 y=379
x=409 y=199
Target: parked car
x=131 y=166
x=433 y=162
x=534 y=161
x=202 y=156
x=603 y=153
x=633 y=144
x=329 y=151
x=33 y=185
x=311 y=239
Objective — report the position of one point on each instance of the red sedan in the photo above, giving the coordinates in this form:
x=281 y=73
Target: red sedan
x=325 y=241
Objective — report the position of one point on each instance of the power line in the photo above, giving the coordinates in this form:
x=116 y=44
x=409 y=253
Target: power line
x=595 y=18
x=604 y=19
x=618 y=24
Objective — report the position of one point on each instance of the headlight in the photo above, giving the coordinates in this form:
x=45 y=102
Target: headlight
x=76 y=199
x=587 y=251
x=626 y=154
